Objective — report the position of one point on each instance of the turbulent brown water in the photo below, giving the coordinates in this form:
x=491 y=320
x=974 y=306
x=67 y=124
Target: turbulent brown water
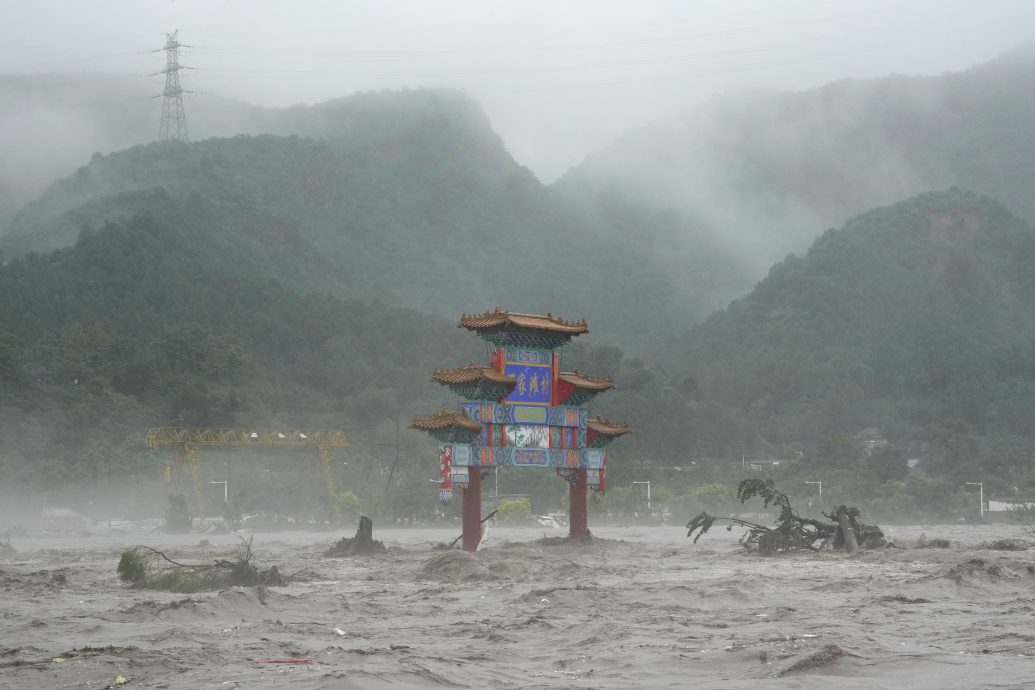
x=638 y=607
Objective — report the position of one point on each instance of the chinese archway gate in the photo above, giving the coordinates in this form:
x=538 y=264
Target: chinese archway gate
x=520 y=410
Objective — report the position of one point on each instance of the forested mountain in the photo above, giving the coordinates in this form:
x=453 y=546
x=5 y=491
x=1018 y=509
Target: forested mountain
x=761 y=174
x=912 y=319
x=168 y=318
x=196 y=285
x=314 y=279
x=163 y=319
x=409 y=198
x=50 y=124
x=695 y=210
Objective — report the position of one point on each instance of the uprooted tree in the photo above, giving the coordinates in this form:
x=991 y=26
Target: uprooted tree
x=147 y=568
x=793 y=532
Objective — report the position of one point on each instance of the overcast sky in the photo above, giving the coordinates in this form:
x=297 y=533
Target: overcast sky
x=558 y=79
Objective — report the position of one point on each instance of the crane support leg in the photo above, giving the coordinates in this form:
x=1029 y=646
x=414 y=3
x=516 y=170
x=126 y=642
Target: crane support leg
x=324 y=453
x=309 y=500
x=173 y=468
x=191 y=450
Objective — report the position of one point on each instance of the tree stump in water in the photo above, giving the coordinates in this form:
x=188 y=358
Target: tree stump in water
x=847 y=536
x=363 y=542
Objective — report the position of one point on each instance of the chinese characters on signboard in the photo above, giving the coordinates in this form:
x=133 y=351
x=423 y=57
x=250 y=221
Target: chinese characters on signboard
x=533 y=383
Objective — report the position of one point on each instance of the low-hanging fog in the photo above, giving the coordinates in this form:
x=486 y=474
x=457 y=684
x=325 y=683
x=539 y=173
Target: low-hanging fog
x=558 y=80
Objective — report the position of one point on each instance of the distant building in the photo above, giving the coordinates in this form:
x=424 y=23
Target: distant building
x=1003 y=505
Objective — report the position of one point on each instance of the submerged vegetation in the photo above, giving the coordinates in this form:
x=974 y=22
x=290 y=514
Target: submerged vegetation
x=792 y=531
x=143 y=567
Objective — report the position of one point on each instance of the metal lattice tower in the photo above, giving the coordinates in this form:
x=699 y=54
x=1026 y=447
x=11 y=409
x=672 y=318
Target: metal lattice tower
x=174 y=119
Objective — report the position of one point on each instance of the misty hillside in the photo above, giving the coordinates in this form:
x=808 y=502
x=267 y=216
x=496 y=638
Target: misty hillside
x=409 y=198
x=167 y=318
x=763 y=173
x=908 y=317
x=305 y=278
x=157 y=320
x=50 y=124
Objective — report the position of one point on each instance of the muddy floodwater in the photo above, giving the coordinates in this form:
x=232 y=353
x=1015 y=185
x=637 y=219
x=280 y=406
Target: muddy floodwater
x=638 y=607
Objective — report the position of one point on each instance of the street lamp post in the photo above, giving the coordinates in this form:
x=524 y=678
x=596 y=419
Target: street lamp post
x=647 y=482
x=819 y=485
x=109 y=494
x=981 y=497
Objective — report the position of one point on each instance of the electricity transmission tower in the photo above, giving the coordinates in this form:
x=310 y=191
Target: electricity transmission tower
x=174 y=120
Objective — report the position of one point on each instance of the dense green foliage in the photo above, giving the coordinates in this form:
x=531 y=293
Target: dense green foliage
x=286 y=280
x=156 y=321
x=913 y=320
x=409 y=199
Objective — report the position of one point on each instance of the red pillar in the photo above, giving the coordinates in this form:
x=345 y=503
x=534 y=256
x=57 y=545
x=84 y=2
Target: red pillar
x=578 y=524
x=472 y=512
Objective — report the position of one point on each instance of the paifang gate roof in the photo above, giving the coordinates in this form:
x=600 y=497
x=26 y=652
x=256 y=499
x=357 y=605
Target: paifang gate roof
x=472 y=373
x=445 y=419
x=500 y=318
x=608 y=428
x=586 y=382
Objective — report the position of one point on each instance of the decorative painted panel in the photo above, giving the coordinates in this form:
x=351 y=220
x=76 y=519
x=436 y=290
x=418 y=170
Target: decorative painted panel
x=461 y=477
x=529 y=456
x=529 y=356
x=567 y=437
x=542 y=457
x=494 y=413
x=513 y=338
x=556 y=439
x=593 y=458
x=531 y=415
x=528 y=436
x=461 y=455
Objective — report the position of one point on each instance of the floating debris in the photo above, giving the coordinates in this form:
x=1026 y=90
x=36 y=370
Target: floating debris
x=146 y=568
x=793 y=532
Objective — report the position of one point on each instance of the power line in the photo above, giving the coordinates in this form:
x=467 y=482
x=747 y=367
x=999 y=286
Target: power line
x=547 y=47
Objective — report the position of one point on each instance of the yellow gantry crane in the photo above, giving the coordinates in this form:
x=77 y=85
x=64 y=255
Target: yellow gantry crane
x=187 y=440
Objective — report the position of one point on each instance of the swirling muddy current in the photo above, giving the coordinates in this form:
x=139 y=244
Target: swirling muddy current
x=635 y=607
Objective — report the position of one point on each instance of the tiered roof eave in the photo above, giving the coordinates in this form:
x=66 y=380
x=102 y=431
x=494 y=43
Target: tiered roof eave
x=500 y=318
x=586 y=382
x=472 y=373
x=445 y=420
x=608 y=428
